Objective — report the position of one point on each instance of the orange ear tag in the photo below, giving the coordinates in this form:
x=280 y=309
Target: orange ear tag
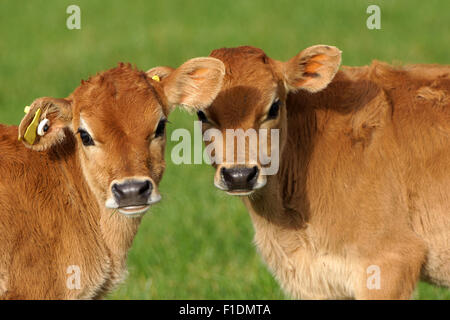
x=30 y=133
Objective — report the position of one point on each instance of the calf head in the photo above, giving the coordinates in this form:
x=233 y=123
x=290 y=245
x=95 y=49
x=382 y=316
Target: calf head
x=253 y=97
x=118 y=118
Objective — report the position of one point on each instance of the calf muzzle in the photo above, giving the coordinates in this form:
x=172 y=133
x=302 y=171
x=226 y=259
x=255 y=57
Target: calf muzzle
x=239 y=178
x=131 y=193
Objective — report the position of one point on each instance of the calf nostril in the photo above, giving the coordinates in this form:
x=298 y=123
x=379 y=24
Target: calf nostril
x=145 y=187
x=253 y=174
x=224 y=174
x=116 y=190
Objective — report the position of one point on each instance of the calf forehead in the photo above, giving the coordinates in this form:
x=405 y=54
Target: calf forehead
x=237 y=105
x=246 y=66
x=249 y=85
x=121 y=97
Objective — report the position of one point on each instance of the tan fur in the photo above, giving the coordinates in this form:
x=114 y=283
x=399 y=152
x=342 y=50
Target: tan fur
x=364 y=176
x=53 y=193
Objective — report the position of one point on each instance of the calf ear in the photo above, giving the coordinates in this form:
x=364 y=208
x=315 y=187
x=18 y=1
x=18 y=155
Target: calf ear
x=313 y=68
x=44 y=123
x=195 y=84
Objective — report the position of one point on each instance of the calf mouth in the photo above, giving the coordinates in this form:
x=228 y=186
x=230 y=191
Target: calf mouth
x=233 y=192
x=239 y=193
x=134 y=210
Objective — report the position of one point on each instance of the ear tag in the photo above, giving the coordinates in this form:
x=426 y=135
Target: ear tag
x=43 y=127
x=156 y=78
x=30 y=133
x=27 y=109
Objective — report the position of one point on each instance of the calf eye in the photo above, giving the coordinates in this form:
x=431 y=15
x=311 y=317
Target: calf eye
x=202 y=116
x=160 y=128
x=274 y=110
x=85 y=138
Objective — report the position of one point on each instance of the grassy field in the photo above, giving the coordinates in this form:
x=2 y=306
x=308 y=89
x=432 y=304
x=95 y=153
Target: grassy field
x=197 y=243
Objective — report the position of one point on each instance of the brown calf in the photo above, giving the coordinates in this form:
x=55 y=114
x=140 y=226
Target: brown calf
x=102 y=151
x=360 y=206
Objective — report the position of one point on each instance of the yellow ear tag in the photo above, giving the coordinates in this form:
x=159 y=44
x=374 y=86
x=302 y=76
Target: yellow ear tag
x=156 y=78
x=27 y=109
x=30 y=133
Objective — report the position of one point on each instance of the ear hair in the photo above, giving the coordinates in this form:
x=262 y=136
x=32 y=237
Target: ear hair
x=313 y=68
x=195 y=84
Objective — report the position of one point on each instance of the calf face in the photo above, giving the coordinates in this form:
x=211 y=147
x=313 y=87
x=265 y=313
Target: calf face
x=119 y=118
x=253 y=97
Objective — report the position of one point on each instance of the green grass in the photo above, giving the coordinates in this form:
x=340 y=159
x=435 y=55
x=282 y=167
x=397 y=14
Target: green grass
x=197 y=243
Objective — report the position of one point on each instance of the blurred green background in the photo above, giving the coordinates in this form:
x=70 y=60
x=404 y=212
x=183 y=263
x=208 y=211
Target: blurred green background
x=197 y=243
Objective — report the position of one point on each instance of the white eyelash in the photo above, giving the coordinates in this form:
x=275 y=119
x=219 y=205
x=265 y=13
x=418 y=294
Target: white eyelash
x=84 y=126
